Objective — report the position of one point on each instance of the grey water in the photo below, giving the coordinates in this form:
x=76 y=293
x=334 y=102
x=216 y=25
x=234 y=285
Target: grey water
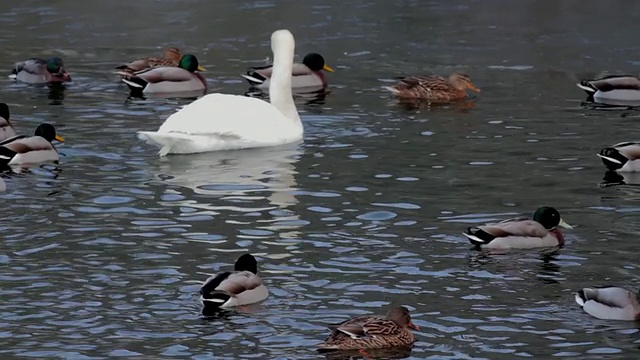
x=102 y=254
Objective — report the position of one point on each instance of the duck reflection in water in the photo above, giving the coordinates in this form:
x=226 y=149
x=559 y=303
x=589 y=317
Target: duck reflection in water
x=56 y=93
x=301 y=96
x=399 y=352
x=613 y=178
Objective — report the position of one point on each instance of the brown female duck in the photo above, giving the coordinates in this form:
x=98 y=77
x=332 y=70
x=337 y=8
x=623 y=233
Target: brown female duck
x=433 y=88
x=372 y=332
x=171 y=57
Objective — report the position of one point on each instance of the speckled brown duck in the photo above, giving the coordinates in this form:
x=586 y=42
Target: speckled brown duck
x=372 y=332
x=171 y=57
x=433 y=88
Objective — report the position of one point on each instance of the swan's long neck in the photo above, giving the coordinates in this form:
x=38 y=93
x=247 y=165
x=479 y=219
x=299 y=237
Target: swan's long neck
x=280 y=87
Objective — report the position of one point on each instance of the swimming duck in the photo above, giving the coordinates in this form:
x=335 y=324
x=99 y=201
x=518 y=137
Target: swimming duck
x=241 y=286
x=613 y=88
x=6 y=128
x=521 y=232
x=24 y=149
x=372 y=332
x=621 y=157
x=609 y=303
x=306 y=75
x=40 y=71
x=168 y=79
x=224 y=122
x=171 y=57
x=433 y=88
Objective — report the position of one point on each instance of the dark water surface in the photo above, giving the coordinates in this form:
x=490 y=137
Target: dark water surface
x=102 y=255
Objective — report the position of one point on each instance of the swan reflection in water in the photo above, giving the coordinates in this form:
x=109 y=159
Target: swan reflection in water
x=250 y=180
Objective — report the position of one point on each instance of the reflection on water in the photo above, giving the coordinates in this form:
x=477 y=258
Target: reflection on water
x=103 y=254
x=237 y=177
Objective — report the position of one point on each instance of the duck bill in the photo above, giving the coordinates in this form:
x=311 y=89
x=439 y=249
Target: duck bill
x=327 y=68
x=473 y=88
x=413 y=326
x=200 y=68
x=10 y=121
x=563 y=224
x=59 y=138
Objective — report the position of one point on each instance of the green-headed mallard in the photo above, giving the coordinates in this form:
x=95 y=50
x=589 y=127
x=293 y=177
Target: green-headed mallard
x=612 y=89
x=171 y=57
x=372 y=332
x=609 y=303
x=40 y=71
x=241 y=286
x=22 y=149
x=6 y=128
x=621 y=157
x=168 y=79
x=433 y=88
x=521 y=232
x=306 y=75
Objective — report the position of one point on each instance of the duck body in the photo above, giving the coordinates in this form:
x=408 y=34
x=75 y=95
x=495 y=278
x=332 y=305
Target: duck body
x=167 y=79
x=171 y=57
x=40 y=71
x=609 y=303
x=372 y=332
x=306 y=75
x=6 y=128
x=612 y=89
x=225 y=122
x=194 y=129
x=436 y=89
x=22 y=149
x=234 y=288
x=621 y=157
x=520 y=232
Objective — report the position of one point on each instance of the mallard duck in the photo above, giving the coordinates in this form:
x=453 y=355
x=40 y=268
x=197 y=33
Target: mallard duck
x=609 y=303
x=6 y=128
x=621 y=157
x=616 y=88
x=306 y=75
x=521 y=232
x=171 y=57
x=433 y=88
x=224 y=122
x=241 y=286
x=40 y=71
x=168 y=79
x=24 y=149
x=372 y=332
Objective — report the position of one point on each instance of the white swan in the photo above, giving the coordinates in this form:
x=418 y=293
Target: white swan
x=223 y=122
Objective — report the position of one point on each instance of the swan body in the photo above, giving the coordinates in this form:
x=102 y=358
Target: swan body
x=224 y=122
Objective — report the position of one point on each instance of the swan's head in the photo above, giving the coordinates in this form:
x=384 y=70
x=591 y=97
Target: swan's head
x=282 y=39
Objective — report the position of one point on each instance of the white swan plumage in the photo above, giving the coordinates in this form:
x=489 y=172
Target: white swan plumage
x=226 y=122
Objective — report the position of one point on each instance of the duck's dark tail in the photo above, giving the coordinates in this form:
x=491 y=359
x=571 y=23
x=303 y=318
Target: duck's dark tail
x=612 y=158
